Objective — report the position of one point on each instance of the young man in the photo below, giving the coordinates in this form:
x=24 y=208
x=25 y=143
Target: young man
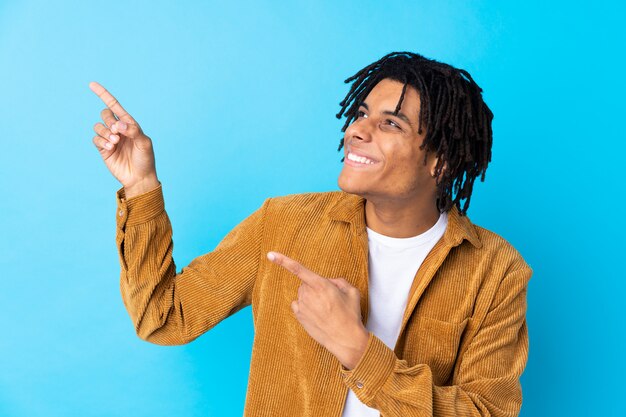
x=379 y=298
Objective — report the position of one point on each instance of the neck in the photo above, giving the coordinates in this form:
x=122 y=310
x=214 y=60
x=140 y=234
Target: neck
x=400 y=218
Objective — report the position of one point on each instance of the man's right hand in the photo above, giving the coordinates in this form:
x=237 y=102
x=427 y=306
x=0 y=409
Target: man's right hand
x=126 y=151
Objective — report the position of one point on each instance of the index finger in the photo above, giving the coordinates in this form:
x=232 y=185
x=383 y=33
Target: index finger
x=309 y=277
x=111 y=102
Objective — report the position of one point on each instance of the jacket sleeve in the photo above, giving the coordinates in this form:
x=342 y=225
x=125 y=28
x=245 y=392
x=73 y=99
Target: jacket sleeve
x=486 y=383
x=169 y=308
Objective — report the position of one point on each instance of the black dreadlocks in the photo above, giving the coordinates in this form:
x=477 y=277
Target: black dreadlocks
x=456 y=119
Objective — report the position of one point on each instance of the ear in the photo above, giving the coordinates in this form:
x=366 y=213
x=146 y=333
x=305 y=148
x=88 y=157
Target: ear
x=433 y=165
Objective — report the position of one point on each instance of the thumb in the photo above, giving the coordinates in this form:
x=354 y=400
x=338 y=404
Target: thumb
x=131 y=130
x=134 y=132
x=342 y=284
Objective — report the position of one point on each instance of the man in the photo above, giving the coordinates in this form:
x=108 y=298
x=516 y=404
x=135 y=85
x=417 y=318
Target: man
x=379 y=298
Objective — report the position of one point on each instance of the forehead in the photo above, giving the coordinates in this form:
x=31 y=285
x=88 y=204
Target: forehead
x=386 y=94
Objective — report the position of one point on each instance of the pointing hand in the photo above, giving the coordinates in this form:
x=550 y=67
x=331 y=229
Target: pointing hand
x=329 y=310
x=127 y=152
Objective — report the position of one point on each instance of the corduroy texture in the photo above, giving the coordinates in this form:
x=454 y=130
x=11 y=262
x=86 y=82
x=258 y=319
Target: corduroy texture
x=463 y=343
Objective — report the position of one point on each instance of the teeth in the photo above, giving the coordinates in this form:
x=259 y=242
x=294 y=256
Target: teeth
x=360 y=159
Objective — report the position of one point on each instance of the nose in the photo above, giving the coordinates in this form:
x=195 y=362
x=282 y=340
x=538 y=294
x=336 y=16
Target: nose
x=359 y=130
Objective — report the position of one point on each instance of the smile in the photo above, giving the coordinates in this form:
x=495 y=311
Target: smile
x=361 y=160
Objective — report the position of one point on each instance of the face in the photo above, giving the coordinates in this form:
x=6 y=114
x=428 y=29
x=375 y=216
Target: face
x=382 y=155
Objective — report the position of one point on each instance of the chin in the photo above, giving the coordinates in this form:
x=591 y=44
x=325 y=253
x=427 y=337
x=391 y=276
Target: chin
x=351 y=187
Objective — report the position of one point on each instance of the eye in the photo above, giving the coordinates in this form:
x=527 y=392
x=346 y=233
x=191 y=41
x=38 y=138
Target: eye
x=392 y=123
x=360 y=114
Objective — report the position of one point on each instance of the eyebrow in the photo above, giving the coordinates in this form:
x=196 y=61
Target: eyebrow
x=400 y=115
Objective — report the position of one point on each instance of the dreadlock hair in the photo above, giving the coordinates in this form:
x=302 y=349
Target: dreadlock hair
x=456 y=119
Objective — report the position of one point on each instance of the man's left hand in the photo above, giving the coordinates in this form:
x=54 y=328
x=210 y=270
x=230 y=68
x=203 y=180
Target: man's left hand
x=329 y=310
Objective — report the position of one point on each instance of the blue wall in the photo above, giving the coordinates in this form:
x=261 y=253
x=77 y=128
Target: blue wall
x=239 y=98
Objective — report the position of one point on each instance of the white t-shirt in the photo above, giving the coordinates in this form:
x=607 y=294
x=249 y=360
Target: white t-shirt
x=393 y=263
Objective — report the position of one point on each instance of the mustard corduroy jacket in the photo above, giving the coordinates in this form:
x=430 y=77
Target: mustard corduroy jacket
x=463 y=344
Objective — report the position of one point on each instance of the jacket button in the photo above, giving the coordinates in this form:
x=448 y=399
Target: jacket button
x=121 y=213
x=359 y=384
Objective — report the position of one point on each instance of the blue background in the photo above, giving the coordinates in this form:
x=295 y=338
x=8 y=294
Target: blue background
x=239 y=98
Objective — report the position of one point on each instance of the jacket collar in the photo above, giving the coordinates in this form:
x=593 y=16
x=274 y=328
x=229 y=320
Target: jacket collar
x=350 y=208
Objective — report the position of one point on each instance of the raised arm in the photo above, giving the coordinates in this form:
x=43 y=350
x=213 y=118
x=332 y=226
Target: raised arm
x=167 y=307
x=170 y=308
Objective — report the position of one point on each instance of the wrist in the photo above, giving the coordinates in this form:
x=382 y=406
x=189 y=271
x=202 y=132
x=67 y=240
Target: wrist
x=355 y=352
x=142 y=186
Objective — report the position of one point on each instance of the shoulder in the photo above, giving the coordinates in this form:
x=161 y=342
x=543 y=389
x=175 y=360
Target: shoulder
x=304 y=204
x=500 y=251
x=297 y=216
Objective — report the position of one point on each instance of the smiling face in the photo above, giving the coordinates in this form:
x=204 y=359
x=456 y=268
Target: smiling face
x=383 y=161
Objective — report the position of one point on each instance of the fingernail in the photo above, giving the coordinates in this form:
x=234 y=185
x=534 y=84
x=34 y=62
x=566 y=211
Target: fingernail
x=114 y=138
x=113 y=128
x=270 y=256
x=108 y=145
x=121 y=125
